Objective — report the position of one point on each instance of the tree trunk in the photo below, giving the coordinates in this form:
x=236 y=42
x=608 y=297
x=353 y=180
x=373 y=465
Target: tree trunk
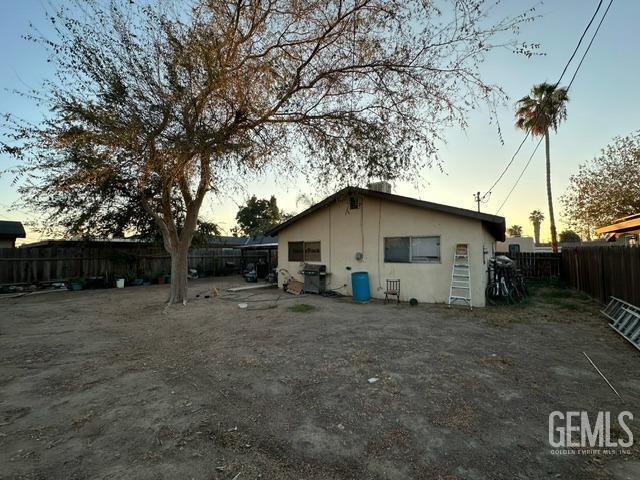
x=536 y=233
x=176 y=241
x=552 y=218
x=179 y=265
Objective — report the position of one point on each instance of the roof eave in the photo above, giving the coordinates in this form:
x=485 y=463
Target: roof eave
x=620 y=227
x=495 y=224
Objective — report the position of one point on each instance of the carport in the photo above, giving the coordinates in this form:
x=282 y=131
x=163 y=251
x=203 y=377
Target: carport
x=260 y=249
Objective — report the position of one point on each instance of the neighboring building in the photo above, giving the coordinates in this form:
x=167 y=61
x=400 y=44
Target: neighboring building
x=625 y=230
x=388 y=236
x=226 y=241
x=261 y=251
x=547 y=248
x=9 y=231
x=516 y=245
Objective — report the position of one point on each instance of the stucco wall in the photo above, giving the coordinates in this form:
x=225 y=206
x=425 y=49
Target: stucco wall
x=343 y=232
x=526 y=244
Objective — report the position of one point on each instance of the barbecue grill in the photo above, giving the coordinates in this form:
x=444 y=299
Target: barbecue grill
x=315 y=278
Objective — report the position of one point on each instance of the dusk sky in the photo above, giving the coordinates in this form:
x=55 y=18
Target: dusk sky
x=604 y=103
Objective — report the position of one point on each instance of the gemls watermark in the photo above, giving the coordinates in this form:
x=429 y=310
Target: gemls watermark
x=575 y=433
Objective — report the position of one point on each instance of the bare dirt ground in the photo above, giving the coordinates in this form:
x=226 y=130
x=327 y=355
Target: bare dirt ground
x=111 y=384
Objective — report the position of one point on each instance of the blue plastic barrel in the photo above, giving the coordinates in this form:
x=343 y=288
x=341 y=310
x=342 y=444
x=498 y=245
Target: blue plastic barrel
x=360 y=286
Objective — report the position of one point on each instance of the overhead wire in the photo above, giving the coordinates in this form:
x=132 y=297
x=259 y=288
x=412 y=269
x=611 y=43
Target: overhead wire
x=595 y=33
x=590 y=43
x=564 y=70
x=520 y=176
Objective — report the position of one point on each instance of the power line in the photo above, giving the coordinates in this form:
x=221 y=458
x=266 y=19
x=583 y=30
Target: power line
x=582 y=38
x=520 y=176
x=564 y=70
x=486 y=195
x=568 y=87
x=590 y=43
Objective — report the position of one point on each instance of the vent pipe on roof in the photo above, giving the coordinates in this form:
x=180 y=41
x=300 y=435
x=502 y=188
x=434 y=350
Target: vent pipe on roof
x=383 y=186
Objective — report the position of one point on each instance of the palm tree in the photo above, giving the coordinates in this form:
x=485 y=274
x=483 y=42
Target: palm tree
x=543 y=109
x=536 y=217
x=304 y=199
x=514 y=231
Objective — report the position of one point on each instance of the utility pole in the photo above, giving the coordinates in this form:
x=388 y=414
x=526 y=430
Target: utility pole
x=477 y=199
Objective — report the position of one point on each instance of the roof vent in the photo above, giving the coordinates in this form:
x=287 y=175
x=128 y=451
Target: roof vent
x=383 y=186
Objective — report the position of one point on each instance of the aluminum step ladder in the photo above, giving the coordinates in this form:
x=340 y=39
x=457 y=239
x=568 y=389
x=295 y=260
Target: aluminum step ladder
x=460 y=287
x=625 y=319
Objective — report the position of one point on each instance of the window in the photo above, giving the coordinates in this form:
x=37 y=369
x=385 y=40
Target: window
x=514 y=248
x=396 y=249
x=311 y=251
x=425 y=249
x=412 y=249
x=296 y=251
x=354 y=202
x=304 y=251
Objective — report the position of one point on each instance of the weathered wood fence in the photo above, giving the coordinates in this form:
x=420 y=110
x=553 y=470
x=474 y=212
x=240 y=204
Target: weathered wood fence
x=537 y=264
x=51 y=264
x=603 y=272
x=600 y=271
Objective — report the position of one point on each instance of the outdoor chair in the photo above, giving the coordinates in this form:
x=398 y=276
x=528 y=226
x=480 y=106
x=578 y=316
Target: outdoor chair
x=393 y=289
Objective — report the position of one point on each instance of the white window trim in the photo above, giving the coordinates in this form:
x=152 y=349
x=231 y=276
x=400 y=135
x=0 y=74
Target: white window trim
x=411 y=260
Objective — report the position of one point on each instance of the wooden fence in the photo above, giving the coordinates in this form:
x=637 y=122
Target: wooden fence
x=603 y=272
x=537 y=264
x=52 y=264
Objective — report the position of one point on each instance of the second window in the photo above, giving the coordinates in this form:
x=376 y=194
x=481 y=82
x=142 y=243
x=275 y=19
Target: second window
x=412 y=249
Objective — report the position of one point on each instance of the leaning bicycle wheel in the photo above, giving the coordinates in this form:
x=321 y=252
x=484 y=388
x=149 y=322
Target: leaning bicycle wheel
x=489 y=294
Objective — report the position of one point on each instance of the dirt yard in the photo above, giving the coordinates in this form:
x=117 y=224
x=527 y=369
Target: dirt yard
x=110 y=384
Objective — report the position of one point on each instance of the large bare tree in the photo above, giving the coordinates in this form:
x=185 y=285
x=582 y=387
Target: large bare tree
x=154 y=105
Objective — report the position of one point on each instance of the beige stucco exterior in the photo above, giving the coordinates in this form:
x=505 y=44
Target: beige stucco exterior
x=526 y=244
x=343 y=232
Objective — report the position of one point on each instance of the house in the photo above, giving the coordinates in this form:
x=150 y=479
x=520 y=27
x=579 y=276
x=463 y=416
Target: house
x=9 y=231
x=516 y=245
x=389 y=236
x=626 y=229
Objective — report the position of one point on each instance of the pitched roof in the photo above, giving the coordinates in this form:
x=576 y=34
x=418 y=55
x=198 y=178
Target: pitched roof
x=11 y=229
x=494 y=223
x=227 y=241
x=260 y=241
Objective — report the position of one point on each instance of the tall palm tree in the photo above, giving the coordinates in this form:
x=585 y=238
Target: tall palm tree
x=543 y=109
x=536 y=217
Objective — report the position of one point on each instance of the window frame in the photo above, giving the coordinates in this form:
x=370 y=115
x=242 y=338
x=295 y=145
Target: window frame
x=411 y=259
x=303 y=257
x=289 y=245
x=304 y=251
